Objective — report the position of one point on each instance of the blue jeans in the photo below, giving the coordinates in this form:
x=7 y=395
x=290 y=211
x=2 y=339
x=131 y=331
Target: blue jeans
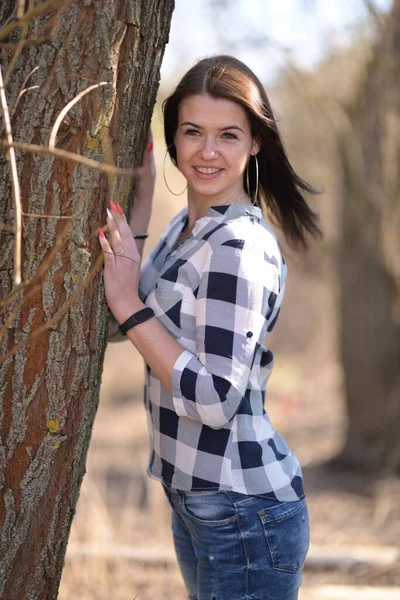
x=236 y=547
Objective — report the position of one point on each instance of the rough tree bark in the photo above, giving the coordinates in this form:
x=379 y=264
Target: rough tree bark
x=370 y=261
x=50 y=387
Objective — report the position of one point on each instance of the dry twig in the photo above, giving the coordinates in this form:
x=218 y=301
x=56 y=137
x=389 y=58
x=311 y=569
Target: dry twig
x=24 y=90
x=15 y=184
x=108 y=154
x=39 y=216
x=31 y=14
x=41 y=271
x=53 y=134
x=17 y=52
x=71 y=156
x=60 y=313
x=26 y=43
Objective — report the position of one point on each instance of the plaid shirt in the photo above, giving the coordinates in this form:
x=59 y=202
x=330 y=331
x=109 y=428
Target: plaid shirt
x=219 y=294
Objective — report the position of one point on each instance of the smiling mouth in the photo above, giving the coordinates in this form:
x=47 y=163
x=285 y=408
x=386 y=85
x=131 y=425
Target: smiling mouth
x=207 y=170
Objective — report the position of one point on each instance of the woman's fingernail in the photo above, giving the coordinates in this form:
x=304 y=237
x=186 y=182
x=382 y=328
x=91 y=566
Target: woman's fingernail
x=101 y=232
x=149 y=147
x=113 y=207
x=109 y=213
x=120 y=209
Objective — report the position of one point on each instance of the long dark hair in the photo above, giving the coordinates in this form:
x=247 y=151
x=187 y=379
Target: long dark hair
x=280 y=188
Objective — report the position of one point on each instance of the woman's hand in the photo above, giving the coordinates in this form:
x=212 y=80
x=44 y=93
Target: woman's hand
x=141 y=210
x=146 y=183
x=121 y=266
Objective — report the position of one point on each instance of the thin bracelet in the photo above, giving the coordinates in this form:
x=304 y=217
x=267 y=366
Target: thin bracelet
x=140 y=236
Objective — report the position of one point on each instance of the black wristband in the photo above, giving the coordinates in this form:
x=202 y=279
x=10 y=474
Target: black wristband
x=140 y=236
x=135 y=319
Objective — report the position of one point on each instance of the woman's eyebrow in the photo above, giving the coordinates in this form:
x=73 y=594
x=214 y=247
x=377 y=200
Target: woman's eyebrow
x=200 y=127
x=192 y=124
x=232 y=127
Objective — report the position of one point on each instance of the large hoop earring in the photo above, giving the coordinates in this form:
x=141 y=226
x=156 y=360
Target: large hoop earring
x=165 y=179
x=255 y=199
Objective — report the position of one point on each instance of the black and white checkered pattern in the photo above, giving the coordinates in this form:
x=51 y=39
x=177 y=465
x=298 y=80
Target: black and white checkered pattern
x=219 y=294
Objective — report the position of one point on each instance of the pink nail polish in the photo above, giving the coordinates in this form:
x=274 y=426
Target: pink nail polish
x=113 y=207
x=101 y=232
x=120 y=209
x=150 y=147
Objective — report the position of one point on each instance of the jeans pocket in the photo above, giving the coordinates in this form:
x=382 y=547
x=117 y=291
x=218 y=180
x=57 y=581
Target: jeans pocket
x=287 y=529
x=211 y=508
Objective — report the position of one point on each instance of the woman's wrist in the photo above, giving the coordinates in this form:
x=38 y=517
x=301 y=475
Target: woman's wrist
x=142 y=204
x=140 y=215
x=127 y=309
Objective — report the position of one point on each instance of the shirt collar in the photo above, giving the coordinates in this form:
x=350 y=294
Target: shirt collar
x=225 y=212
x=233 y=210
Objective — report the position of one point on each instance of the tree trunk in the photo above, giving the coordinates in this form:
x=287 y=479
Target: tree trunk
x=370 y=262
x=50 y=387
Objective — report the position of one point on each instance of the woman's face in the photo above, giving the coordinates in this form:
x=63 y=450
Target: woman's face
x=213 y=144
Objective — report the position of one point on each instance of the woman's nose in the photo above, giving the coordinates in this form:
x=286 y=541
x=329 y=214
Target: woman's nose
x=209 y=149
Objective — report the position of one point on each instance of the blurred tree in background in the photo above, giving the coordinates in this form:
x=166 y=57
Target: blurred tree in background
x=369 y=260
x=51 y=52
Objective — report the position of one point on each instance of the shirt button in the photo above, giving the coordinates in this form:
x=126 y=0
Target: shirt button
x=234 y=519
x=249 y=334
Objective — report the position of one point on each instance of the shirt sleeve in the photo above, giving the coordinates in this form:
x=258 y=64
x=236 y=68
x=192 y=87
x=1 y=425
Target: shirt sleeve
x=150 y=270
x=153 y=264
x=235 y=298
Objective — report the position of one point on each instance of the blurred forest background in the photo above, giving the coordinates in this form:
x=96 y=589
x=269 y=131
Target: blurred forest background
x=331 y=70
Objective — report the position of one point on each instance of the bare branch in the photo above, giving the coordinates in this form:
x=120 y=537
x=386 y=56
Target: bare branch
x=39 y=216
x=88 y=162
x=14 y=183
x=44 y=267
x=30 y=75
x=20 y=9
x=53 y=134
x=41 y=271
x=17 y=52
x=26 y=43
x=22 y=92
x=60 y=313
x=108 y=154
x=31 y=14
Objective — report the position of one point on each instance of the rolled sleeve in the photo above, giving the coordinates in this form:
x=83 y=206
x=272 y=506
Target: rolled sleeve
x=233 y=300
x=179 y=366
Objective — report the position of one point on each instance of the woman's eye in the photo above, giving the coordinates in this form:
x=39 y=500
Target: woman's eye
x=230 y=136
x=191 y=132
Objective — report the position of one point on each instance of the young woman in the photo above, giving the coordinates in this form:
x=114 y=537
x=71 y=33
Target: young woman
x=215 y=284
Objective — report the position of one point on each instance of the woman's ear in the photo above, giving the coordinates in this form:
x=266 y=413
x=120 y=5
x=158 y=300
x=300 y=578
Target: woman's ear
x=255 y=148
